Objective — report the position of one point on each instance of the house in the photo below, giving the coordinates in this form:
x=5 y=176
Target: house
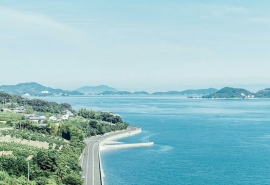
x=65 y=117
x=53 y=118
x=5 y=110
x=26 y=95
x=44 y=92
x=37 y=119
x=68 y=112
x=19 y=109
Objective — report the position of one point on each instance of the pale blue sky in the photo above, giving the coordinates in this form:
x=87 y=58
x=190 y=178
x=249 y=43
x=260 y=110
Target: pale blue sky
x=136 y=45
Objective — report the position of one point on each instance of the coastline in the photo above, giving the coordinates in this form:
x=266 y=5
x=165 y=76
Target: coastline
x=130 y=131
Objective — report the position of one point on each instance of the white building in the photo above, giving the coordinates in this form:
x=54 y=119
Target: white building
x=26 y=95
x=37 y=119
x=19 y=109
x=52 y=118
x=65 y=117
x=44 y=92
x=68 y=112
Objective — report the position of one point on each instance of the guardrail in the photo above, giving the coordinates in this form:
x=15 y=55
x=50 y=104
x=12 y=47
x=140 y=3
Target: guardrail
x=100 y=168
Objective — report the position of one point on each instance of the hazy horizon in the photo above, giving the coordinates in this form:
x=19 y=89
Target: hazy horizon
x=136 y=45
x=249 y=87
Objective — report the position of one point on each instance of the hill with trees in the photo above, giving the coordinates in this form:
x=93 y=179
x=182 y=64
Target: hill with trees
x=265 y=93
x=141 y=93
x=57 y=162
x=31 y=105
x=35 y=89
x=229 y=92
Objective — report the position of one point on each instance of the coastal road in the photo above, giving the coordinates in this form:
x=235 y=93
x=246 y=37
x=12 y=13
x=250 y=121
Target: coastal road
x=90 y=161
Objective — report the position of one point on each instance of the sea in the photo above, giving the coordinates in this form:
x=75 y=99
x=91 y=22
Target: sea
x=197 y=141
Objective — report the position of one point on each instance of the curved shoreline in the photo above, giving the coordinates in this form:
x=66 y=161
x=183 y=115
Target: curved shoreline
x=130 y=131
x=91 y=161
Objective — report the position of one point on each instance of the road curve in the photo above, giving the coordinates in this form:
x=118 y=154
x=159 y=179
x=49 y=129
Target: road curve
x=90 y=161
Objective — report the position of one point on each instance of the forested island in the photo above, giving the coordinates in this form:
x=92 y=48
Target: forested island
x=35 y=89
x=229 y=92
x=49 y=137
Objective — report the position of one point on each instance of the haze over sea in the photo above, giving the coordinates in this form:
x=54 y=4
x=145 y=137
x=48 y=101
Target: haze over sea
x=197 y=141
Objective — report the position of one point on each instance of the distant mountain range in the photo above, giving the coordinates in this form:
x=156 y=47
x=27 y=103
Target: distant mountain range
x=123 y=93
x=189 y=92
x=186 y=92
x=229 y=92
x=35 y=89
x=88 y=90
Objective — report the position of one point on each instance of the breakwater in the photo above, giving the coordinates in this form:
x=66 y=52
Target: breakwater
x=109 y=141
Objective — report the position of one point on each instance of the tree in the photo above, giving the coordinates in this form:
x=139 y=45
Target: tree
x=54 y=129
x=73 y=179
x=41 y=181
x=47 y=160
x=66 y=106
x=93 y=123
x=29 y=110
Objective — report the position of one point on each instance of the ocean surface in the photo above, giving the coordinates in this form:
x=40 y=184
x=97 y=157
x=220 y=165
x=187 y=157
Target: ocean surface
x=197 y=141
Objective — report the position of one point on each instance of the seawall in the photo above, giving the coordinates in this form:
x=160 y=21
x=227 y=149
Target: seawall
x=133 y=145
x=131 y=131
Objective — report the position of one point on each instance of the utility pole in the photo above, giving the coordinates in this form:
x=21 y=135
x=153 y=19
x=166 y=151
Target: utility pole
x=30 y=157
x=28 y=170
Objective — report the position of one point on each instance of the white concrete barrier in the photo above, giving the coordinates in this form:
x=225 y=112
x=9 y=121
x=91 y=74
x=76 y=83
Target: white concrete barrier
x=111 y=142
x=133 y=145
x=122 y=134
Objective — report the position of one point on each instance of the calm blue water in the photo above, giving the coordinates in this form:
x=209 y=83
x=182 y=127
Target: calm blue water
x=196 y=141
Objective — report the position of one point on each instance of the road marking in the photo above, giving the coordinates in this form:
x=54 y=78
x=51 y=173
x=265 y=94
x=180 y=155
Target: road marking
x=86 y=175
x=94 y=141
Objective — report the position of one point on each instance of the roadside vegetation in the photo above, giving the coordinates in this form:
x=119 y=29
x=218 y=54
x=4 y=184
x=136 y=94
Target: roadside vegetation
x=57 y=162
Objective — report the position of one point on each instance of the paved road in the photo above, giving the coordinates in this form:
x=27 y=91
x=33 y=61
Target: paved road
x=90 y=158
x=90 y=162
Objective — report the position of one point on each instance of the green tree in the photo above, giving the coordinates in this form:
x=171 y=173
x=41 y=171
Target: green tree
x=41 y=181
x=73 y=179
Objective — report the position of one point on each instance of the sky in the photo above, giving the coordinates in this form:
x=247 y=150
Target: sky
x=151 y=45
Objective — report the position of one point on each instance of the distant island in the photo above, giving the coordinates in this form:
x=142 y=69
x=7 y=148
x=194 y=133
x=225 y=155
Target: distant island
x=265 y=93
x=90 y=90
x=230 y=92
x=123 y=93
x=35 y=89
x=189 y=92
x=186 y=92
